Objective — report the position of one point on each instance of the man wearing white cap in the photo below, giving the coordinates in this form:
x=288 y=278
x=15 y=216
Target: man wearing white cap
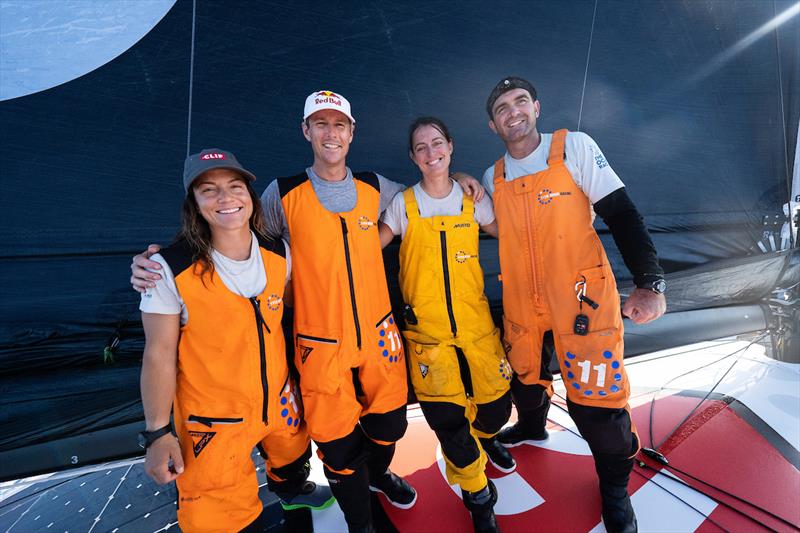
x=347 y=347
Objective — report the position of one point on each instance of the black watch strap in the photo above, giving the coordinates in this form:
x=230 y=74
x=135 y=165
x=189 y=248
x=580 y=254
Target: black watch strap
x=146 y=438
x=658 y=285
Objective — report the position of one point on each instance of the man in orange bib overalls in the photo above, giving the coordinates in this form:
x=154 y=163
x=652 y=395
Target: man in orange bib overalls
x=559 y=291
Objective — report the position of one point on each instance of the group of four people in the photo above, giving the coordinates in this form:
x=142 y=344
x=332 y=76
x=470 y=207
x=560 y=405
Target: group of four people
x=215 y=351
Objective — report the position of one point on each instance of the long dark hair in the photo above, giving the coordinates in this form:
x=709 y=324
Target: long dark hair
x=197 y=233
x=427 y=121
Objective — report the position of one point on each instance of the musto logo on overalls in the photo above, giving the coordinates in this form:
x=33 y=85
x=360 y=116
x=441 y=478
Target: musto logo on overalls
x=586 y=369
x=290 y=411
x=389 y=343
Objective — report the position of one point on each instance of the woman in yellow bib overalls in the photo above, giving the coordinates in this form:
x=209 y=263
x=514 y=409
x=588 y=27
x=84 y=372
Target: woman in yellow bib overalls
x=456 y=360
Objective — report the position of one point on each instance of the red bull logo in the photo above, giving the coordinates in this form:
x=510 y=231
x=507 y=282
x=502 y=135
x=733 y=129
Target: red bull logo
x=327 y=97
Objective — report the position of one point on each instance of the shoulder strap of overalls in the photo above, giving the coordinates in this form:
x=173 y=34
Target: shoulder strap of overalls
x=412 y=209
x=499 y=171
x=557 y=154
x=467 y=205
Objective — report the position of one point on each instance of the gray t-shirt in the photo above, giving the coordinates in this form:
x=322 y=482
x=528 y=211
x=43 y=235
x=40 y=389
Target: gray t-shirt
x=585 y=162
x=395 y=215
x=335 y=196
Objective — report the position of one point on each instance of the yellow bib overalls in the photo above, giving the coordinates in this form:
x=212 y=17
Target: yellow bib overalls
x=454 y=353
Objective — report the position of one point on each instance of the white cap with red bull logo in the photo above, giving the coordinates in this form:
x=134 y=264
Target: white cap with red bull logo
x=319 y=100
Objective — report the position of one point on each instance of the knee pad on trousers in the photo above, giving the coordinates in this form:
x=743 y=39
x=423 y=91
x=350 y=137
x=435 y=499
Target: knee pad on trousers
x=528 y=397
x=490 y=417
x=451 y=426
x=345 y=455
x=607 y=431
x=293 y=475
x=385 y=427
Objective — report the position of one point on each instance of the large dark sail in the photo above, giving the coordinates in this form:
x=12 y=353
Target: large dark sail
x=695 y=104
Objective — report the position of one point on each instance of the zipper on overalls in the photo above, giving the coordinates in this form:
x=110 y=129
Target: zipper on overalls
x=532 y=245
x=447 y=295
x=350 y=279
x=263 y=352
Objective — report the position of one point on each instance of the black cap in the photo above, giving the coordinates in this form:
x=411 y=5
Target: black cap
x=208 y=159
x=505 y=85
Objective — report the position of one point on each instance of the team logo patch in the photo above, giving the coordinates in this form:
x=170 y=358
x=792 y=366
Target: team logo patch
x=462 y=257
x=290 y=407
x=365 y=223
x=213 y=155
x=305 y=351
x=423 y=369
x=200 y=440
x=274 y=302
x=599 y=159
x=590 y=379
x=389 y=341
x=505 y=369
x=545 y=196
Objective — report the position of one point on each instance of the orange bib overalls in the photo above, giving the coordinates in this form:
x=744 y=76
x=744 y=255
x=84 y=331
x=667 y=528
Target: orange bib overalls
x=343 y=318
x=233 y=392
x=347 y=346
x=549 y=255
x=442 y=280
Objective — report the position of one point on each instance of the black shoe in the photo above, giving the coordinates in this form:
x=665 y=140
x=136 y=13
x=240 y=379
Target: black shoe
x=516 y=435
x=396 y=489
x=481 y=506
x=618 y=516
x=500 y=458
x=310 y=496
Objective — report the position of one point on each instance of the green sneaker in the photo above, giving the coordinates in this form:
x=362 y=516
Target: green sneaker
x=310 y=496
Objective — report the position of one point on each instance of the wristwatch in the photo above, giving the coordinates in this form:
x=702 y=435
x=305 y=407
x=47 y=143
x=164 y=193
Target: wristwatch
x=658 y=285
x=146 y=438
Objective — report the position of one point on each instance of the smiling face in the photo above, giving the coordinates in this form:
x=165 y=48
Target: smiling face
x=514 y=116
x=431 y=150
x=330 y=133
x=223 y=199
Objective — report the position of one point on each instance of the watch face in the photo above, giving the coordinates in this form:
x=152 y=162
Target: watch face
x=660 y=286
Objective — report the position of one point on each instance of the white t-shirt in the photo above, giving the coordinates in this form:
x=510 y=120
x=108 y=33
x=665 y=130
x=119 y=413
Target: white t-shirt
x=246 y=278
x=450 y=205
x=585 y=162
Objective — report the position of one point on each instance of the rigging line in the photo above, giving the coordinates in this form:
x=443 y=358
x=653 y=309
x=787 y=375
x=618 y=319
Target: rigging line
x=729 y=494
x=696 y=407
x=684 y=483
x=634 y=361
x=586 y=70
x=780 y=91
x=191 y=81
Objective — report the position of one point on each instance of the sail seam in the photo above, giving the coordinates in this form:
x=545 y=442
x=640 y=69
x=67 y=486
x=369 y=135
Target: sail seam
x=586 y=70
